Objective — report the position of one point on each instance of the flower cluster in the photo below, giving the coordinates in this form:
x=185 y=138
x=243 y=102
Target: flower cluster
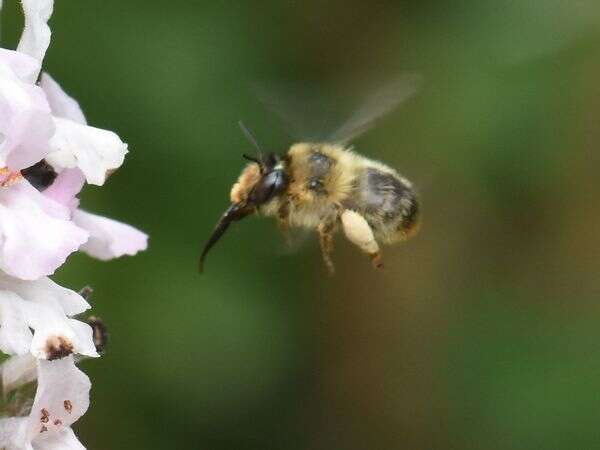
x=48 y=153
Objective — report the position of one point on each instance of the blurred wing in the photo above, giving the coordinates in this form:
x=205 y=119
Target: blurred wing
x=295 y=240
x=308 y=113
x=374 y=107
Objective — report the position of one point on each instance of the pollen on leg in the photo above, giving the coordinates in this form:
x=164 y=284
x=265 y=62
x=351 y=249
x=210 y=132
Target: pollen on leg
x=58 y=347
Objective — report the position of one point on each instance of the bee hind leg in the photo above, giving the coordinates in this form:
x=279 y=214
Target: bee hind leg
x=326 y=231
x=358 y=231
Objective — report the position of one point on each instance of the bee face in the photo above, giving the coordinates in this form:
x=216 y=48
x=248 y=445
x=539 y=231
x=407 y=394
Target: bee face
x=260 y=181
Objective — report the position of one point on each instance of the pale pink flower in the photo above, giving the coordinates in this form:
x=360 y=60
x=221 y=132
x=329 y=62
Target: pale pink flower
x=36 y=233
x=35 y=38
x=108 y=238
x=61 y=398
x=26 y=124
x=44 y=138
x=46 y=308
x=96 y=152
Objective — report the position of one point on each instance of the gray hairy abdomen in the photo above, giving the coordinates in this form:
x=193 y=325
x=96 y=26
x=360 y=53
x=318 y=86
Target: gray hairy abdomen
x=386 y=201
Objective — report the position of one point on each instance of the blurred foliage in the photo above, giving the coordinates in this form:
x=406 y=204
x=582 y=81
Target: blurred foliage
x=483 y=332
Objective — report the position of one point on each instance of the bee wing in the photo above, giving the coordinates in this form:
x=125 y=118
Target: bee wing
x=295 y=240
x=307 y=112
x=375 y=106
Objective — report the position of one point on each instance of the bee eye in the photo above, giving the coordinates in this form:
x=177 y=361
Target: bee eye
x=268 y=187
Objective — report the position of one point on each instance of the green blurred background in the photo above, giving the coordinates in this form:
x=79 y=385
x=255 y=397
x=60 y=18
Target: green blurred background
x=483 y=333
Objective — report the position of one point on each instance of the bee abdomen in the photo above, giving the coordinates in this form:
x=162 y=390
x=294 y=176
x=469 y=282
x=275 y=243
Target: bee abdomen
x=388 y=202
x=410 y=213
x=385 y=194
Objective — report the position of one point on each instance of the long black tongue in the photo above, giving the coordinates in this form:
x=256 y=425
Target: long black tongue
x=233 y=213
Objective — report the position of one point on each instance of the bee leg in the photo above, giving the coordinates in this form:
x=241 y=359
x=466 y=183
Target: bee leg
x=326 y=231
x=284 y=229
x=358 y=231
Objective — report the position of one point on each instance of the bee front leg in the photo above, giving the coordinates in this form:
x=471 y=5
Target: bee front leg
x=326 y=231
x=358 y=231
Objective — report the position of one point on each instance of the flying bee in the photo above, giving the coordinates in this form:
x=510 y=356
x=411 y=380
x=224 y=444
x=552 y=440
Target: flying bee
x=325 y=185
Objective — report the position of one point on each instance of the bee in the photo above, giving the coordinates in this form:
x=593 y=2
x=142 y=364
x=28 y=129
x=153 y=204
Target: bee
x=99 y=333
x=326 y=185
x=99 y=329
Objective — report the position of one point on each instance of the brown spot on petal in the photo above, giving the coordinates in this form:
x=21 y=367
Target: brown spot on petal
x=58 y=347
x=68 y=406
x=44 y=428
x=57 y=422
x=45 y=416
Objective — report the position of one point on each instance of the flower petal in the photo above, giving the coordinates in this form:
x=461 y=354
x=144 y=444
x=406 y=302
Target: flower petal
x=95 y=151
x=35 y=38
x=13 y=434
x=17 y=371
x=61 y=104
x=55 y=335
x=25 y=121
x=109 y=238
x=36 y=235
x=15 y=335
x=47 y=292
x=64 y=439
x=62 y=397
x=43 y=306
x=65 y=187
x=25 y=67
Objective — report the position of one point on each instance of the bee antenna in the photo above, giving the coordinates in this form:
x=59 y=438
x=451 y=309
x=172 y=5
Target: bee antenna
x=252 y=159
x=250 y=137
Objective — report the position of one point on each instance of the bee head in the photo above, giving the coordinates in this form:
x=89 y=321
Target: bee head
x=261 y=181
x=258 y=190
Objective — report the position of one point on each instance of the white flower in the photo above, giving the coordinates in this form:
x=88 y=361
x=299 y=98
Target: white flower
x=17 y=371
x=46 y=308
x=35 y=38
x=61 y=398
x=25 y=121
x=109 y=238
x=44 y=138
x=36 y=233
x=61 y=103
x=95 y=151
